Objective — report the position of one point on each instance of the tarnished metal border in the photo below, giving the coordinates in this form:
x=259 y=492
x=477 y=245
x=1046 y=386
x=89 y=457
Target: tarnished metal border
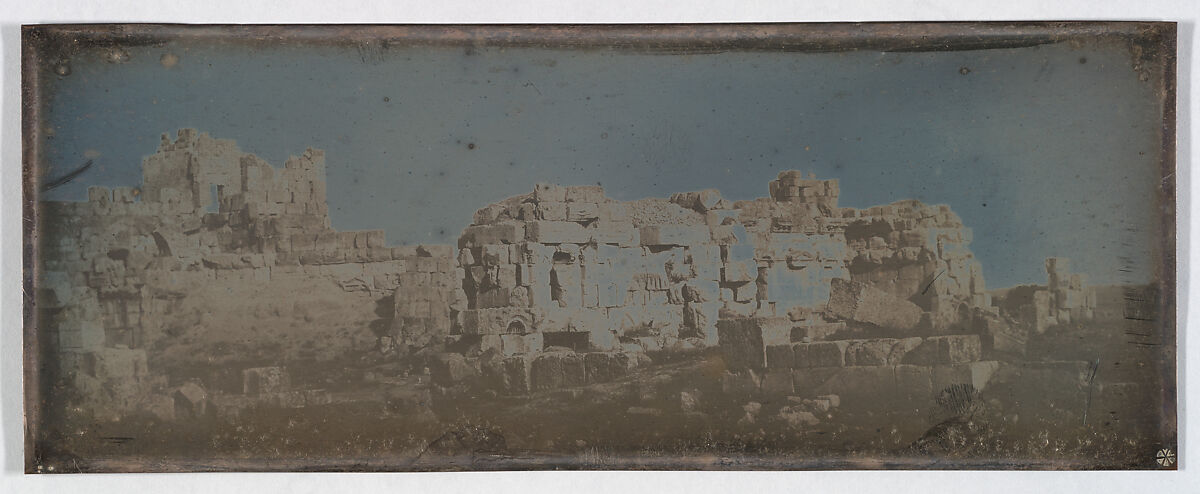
x=1154 y=45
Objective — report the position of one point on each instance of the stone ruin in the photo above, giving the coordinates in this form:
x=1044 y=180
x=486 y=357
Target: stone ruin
x=1067 y=297
x=114 y=270
x=565 y=286
x=556 y=288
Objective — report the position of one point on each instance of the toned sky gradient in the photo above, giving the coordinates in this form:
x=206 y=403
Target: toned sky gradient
x=1043 y=151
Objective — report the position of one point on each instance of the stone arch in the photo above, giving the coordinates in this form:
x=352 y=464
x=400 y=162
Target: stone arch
x=519 y=324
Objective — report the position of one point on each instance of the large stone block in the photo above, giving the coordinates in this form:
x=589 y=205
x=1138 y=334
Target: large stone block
x=743 y=341
x=546 y=372
x=499 y=233
x=613 y=233
x=574 y=369
x=816 y=332
x=582 y=211
x=869 y=352
x=820 y=354
x=551 y=211
x=585 y=193
x=533 y=274
x=495 y=298
x=556 y=232
x=859 y=302
x=780 y=356
x=549 y=193
x=608 y=366
x=950 y=349
x=191 y=400
x=516 y=378
x=681 y=235
x=614 y=212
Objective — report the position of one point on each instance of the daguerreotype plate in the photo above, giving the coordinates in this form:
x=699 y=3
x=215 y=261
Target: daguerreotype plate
x=600 y=247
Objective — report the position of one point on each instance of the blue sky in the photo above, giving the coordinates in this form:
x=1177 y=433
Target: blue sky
x=1043 y=151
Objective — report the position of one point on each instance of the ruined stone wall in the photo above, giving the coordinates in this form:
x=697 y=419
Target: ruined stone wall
x=1066 y=297
x=919 y=253
x=566 y=266
x=219 y=253
x=216 y=253
x=903 y=375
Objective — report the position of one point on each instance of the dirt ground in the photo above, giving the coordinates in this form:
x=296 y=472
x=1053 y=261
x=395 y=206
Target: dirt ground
x=383 y=418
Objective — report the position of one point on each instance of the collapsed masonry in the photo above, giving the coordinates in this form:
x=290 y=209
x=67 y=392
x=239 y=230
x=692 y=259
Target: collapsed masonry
x=117 y=271
x=559 y=287
x=600 y=283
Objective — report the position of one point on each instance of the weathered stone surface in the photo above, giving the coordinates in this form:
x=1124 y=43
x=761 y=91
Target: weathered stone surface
x=513 y=344
x=860 y=302
x=869 y=352
x=517 y=374
x=191 y=400
x=820 y=354
x=883 y=351
x=549 y=193
x=816 y=332
x=950 y=349
x=556 y=232
x=744 y=340
x=574 y=369
x=498 y=320
x=585 y=194
x=608 y=366
x=664 y=235
x=780 y=356
x=500 y=233
x=546 y=372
